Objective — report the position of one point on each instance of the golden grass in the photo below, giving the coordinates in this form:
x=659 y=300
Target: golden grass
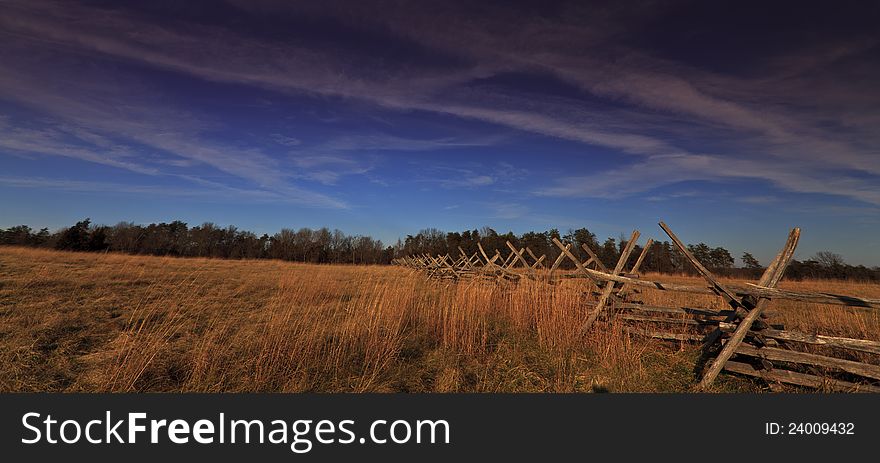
x=105 y=322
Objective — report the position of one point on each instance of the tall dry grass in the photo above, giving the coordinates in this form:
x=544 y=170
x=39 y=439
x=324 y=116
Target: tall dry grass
x=104 y=322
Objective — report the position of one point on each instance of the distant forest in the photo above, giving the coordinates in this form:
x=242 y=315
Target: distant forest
x=326 y=246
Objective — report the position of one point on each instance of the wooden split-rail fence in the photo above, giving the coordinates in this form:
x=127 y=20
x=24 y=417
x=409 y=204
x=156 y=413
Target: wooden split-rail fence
x=738 y=339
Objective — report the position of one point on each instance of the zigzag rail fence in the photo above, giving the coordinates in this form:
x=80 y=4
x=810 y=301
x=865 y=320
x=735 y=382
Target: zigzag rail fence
x=738 y=339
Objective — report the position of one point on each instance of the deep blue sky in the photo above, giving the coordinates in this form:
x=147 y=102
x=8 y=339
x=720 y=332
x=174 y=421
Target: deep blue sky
x=731 y=123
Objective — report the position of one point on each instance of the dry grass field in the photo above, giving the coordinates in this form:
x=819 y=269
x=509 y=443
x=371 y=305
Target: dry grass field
x=104 y=322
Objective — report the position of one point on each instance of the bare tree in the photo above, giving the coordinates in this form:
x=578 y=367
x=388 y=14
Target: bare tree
x=828 y=259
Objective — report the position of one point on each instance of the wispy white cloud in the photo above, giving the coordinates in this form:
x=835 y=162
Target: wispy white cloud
x=218 y=193
x=206 y=191
x=340 y=156
x=56 y=142
x=469 y=181
x=765 y=199
x=384 y=142
x=284 y=140
x=506 y=211
x=470 y=176
x=668 y=170
x=676 y=195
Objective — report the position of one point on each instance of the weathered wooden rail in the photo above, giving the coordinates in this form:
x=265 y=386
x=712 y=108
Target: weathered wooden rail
x=738 y=339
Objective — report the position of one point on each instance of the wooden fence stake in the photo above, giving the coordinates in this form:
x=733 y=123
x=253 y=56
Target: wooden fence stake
x=489 y=262
x=595 y=258
x=716 y=286
x=508 y=260
x=522 y=259
x=609 y=286
x=770 y=279
x=557 y=263
x=577 y=263
x=537 y=260
x=635 y=268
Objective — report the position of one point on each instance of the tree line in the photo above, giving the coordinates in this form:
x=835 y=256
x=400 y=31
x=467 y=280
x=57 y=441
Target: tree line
x=335 y=247
x=207 y=240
